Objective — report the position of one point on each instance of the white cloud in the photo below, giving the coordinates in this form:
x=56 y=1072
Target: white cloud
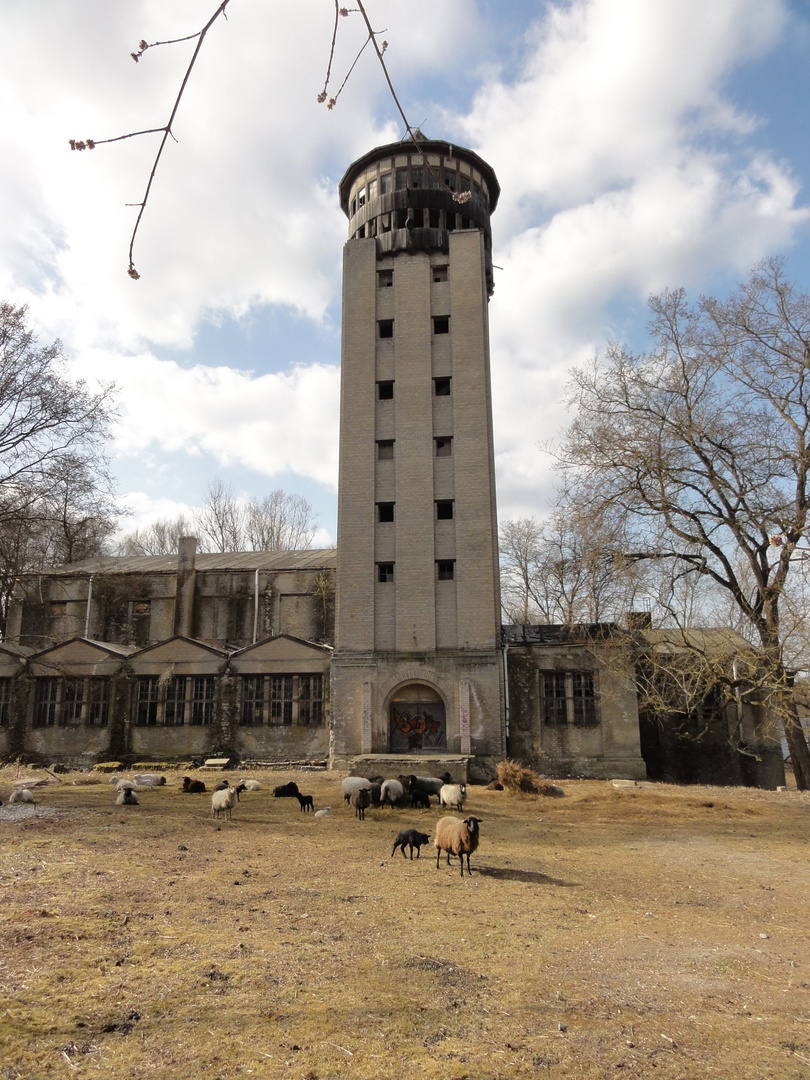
x=625 y=165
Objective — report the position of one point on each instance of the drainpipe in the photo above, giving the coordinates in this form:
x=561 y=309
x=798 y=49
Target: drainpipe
x=87 y=612
x=255 y=605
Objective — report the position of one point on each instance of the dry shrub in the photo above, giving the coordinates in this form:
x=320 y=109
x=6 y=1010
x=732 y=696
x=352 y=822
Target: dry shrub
x=516 y=777
x=108 y=766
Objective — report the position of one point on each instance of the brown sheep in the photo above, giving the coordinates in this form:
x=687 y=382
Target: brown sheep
x=456 y=837
x=360 y=799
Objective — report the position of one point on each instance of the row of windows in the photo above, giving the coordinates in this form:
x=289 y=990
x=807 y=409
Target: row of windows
x=569 y=697
x=444 y=510
x=385 y=278
x=263 y=699
x=442 y=447
x=441 y=388
x=416 y=176
x=414 y=217
x=441 y=325
x=445 y=570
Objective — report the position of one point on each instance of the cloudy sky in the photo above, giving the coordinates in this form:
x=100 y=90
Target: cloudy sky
x=638 y=144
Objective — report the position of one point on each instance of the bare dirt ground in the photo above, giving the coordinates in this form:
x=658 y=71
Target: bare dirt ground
x=654 y=931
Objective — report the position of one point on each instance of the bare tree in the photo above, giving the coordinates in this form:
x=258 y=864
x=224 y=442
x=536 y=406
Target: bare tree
x=701 y=446
x=220 y=521
x=56 y=499
x=161 y=537
x=280 y=521
x=568 y=569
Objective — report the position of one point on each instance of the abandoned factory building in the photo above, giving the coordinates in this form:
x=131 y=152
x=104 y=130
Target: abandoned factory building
x=387 y=653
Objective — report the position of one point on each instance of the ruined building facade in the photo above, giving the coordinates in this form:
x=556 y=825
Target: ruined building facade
x=387 y=654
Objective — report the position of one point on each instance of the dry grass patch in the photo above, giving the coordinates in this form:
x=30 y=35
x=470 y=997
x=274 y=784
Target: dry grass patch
x=649 y=932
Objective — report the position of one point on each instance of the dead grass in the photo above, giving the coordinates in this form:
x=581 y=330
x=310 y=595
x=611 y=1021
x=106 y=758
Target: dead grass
x=647 y=932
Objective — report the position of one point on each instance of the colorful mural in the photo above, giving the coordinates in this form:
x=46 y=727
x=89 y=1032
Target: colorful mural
x=417 y=726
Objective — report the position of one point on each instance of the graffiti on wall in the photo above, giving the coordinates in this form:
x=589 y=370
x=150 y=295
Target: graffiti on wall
x=416 y=726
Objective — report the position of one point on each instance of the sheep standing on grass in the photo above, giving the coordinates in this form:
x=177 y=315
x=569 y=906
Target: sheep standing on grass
x=453 y=796
x=224 y=800
x=360 y=800
x=305 y=802
x=353 y=783
x=412 y=839
x=392 y=793
x=428 y=785
x=456 y=837
x=286 y=791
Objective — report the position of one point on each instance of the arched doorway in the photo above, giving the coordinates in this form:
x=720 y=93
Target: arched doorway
x=417 y=720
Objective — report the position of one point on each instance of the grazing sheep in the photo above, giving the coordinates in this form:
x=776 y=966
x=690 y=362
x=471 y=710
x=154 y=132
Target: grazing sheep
x=413 y=839
x=353 y=783
x=420 y=798
x=430 y=785
x=21 y=795
x=374 y=791
x=456 y=837
x=327 y=810
x=126 y=797
x=193 y=787
x=360 y=800
x=453 y=796
x=251 y=785
x=306 y=803
x=286 y=791
x=392 y=793
x=224 y=800
x=149 y=779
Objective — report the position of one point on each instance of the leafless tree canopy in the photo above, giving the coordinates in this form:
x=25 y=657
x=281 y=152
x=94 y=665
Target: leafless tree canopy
x=701 y=447
x=56 y=495
x=280 y=521
x=568 y=569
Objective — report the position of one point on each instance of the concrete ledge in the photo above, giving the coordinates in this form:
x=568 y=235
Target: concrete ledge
x=390 y=765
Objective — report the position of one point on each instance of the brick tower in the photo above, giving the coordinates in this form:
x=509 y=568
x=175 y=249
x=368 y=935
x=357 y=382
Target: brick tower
x=416 y=670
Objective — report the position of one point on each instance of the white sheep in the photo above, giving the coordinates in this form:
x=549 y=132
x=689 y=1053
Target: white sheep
x=225 y=799
x=22 y=795
x=121 y=782
x=149 y=779
x=353 y=783
x=392 y=793
x=456 y=837
x=453 y=796
x=251 y=785
x=327 y=810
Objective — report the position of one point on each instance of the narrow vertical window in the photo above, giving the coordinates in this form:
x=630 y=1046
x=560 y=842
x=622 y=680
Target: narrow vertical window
x=385 y=390
x=441 y=324
x=5 y=702
x=385 y=328
x=444 y=509
x=441 y=387
x=174 y=711
x=98 y=702
x=385 y=279
x=45 y=702
x=252 y=700
x=444 y=446
x=146 y=705
x=385 y=511
x=385 y=450
x=72 y=702
x=439 y=273
x=202 y=699
x=446 y=569
x=385 y=571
